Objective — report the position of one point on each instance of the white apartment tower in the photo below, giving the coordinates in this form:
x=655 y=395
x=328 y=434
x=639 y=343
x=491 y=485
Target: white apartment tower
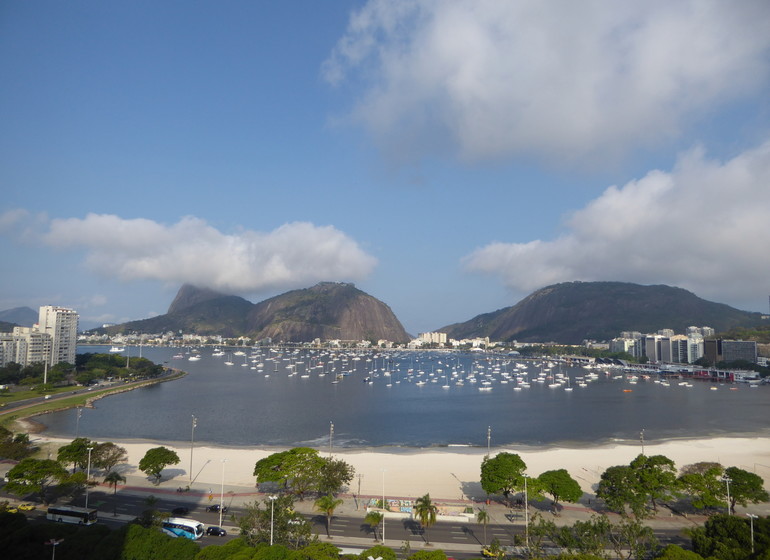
x=61 y=324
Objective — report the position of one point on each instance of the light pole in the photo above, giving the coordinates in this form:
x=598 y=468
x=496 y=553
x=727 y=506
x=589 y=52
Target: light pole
x=384 y=509
x=727 y=481
x=331 y=435
x=88 y=473
x=641 y=439
x=489 y=439
x=54 y=542
x=526 y=513
x=272 y=508
x=192 y=443
x=359 y=476
x=752 y=517
x=222 y=493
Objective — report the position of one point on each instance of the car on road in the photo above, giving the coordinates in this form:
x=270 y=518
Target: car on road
x=216 y=531
x=26 y=507
x=215 y=508
x=180 y=511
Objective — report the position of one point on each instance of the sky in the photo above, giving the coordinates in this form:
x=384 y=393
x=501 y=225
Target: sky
x=448 y=157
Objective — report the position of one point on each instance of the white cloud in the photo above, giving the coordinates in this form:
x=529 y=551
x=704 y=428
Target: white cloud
x=295 y=254
x=704 y=226
x=560 y=80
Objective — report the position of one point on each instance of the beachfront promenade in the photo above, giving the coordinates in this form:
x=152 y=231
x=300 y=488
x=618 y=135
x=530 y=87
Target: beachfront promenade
x=453 y=534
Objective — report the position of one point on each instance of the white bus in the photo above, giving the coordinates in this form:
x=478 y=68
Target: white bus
x=72 y=514
x=182 y=527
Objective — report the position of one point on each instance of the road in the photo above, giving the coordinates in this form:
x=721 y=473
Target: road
x=460 y=539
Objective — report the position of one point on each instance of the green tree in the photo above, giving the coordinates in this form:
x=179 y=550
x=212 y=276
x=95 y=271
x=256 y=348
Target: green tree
x=76 y=452
x=107 y=455
x=560 y=485
x=157 y=459
x=333 y=475
x=379 y=551
x=635 y=539
x=151 y=543
x=617 y=487
x=289 y=528
x=655 y=477
x=504 y=473
x=482 y=518
x=373 y=519
x=702 y=483
x=675 y=552
x=114 y=478
x=34 y=476
x=725 y=537
x=297 y=469
x=428 y=555
x=745 y=488
x=326 y=505
x=426 y=512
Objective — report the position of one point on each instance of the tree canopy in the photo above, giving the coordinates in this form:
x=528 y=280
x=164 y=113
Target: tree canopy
x=560 y=485
x=157 y=459
x=502 y=474
x=745 y=487
x=34 y=476
x=302 y=470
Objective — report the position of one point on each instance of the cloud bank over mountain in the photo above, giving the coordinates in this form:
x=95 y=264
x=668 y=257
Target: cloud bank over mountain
x=294 y=254
x=701 y=226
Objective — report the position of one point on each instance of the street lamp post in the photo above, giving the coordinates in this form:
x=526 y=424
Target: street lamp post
x=489 y=439
x=88 y=474
x=526 y=513
x=222 y=493
x=727 y=481
x=331 y=435
x=192 y=443
x=752 y=517
x=641 y=439
x=54 y=542
x=272 y=508
x=384 y=509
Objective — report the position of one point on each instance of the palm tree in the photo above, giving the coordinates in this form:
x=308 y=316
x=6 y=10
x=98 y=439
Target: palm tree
x=327 y=504
x=373 y=519
x=483 y=517
x=114 y=478
x=426 y=512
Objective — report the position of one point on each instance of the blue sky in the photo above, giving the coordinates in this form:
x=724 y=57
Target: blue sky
x=448 y=157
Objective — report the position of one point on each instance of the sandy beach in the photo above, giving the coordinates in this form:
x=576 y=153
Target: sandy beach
x=447 y=473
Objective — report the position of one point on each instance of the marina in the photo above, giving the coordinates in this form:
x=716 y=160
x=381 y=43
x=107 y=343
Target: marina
x=411 y=399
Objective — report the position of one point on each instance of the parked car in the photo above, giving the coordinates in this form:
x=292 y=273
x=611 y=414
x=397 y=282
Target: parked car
x=215 y=508
x=180 y=511
x=216 y=532
x=26 y=507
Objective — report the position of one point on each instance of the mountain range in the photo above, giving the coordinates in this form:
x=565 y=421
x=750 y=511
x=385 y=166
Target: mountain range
x=571 y=312
x=566 y=313
x=328 y=311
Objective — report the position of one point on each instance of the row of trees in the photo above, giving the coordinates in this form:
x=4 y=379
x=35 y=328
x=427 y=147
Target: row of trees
x=37 y=476
x=504 y=474
x=647 y=481
x=302 y=470
x=637 y=488
x=88 y=367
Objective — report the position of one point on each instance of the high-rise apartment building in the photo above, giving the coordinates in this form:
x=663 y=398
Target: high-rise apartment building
x=61 y=324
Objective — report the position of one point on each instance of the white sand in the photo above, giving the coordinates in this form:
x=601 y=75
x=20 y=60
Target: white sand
x=449 y=473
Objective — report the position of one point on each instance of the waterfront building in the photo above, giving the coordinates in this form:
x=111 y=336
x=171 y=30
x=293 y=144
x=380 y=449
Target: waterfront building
x=734 y=350
x=61 y=324
x=24 y=346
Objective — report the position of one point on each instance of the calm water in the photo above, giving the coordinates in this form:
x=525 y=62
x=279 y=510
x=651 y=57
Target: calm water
x=237 y=405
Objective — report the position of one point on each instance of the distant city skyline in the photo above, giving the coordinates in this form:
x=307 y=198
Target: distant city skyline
x=448 y=158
